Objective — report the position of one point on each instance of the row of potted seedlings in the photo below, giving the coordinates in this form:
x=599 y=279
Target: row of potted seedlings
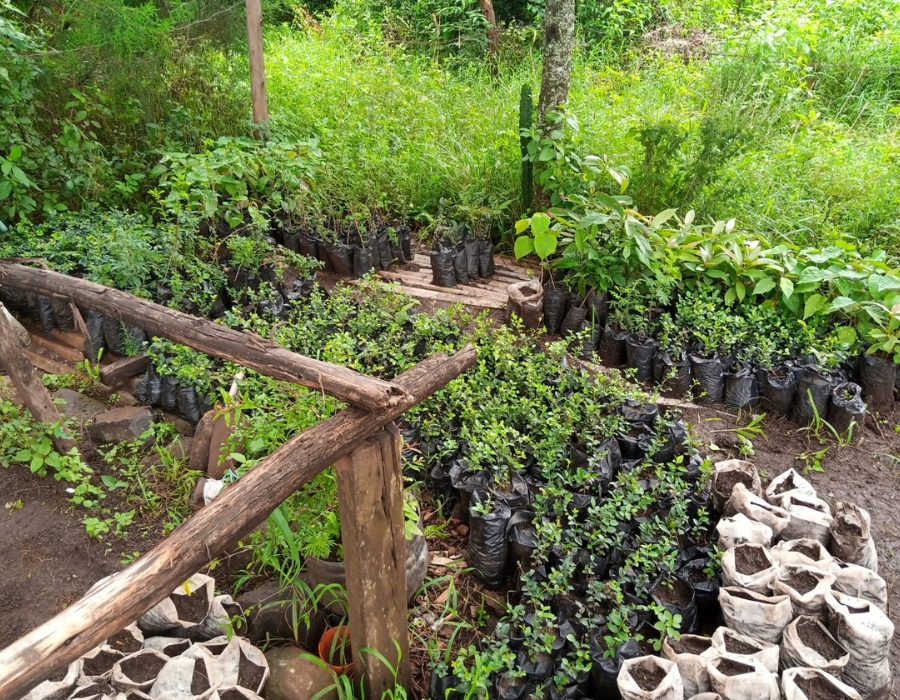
x=811 y=608
x=557 y=533
x=799 y=389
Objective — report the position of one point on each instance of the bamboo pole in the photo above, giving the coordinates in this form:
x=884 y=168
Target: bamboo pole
x=247 y=349
x=120 y=599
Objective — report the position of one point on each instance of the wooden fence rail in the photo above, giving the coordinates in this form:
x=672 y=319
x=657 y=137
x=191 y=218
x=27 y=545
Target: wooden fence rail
x=234 y=514
x=247 y=349
x=369 y=493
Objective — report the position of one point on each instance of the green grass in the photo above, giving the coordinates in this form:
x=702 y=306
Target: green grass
x=797 y=138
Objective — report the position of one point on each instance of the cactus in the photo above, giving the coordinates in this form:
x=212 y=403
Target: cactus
x=525 y=120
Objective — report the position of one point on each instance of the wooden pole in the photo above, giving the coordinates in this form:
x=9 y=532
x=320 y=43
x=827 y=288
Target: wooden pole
x=235 y=513
x=247 y=349
x=370 y=493
x=27 y=382
x=257 y=65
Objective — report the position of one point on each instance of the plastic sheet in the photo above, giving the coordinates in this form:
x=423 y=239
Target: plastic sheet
x=473 y=250
x=62 y=311
x=486 y=265
x=707 y=371
x=813 y=395
x=442 y=268
x=340 y=255
x=45 y=313
x=778 y=390
x=405 y=238
x=575 y=317
x=487 y=549
x=95 y=341
x=846 y=407
x=188 y=403
x=740 y=387
x=877 y=375
x=556 y=300
x=639 y=355
x=612 y=350
x=363 y=261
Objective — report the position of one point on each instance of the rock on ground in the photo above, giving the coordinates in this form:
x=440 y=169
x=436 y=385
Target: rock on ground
x=293 y=678
x=121 y=424
x=78 y=406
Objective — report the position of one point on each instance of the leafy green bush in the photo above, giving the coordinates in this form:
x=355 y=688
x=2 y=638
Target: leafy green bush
x=240 y=180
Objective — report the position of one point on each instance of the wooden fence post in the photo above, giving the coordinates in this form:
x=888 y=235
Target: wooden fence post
x=370 y=494
x=257 y=66
x=27 y=382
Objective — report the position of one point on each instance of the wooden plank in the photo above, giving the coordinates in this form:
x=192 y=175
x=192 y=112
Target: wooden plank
x=247 y=349
x=431 y=295
x=370 y=493
x=464 y=290
x=45 y=364
x=257 y=65
x=123 y=369
x=120 y=599
x=31 y=391
x=53 y=346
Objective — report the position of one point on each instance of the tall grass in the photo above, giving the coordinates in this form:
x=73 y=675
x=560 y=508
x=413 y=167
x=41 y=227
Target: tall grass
x=788 y=124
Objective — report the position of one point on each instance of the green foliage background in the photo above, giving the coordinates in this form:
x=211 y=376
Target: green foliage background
x=785 y=117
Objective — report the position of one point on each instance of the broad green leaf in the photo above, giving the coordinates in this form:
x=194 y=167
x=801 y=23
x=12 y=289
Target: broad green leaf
x=812 y=274
x=52 y=460
x=717 y=274
x=766 y=284
x=15 y=153
x=545 y=245
x=840 y=303
x=846 y=335
x=524 y=246
x=662 y=217
x=741 y=291
x=36 y=463
x=522 y=224
x=793 y=303
x=23 y=456
x=547 y=153
x=787 y=287
x=730 y=296
x=540 y=222
x=813 y=305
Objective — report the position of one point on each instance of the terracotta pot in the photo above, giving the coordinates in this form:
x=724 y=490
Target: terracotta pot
x=332 y=643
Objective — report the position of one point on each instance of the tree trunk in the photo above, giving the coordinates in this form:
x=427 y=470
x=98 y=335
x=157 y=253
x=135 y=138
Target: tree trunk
x=559 y=42
x=493 y=34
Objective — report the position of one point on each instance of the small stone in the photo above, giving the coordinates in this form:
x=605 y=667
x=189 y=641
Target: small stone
x=184 y=427
x=78 y=406
x=292 y=677
x=121 y=424
x=462 y=530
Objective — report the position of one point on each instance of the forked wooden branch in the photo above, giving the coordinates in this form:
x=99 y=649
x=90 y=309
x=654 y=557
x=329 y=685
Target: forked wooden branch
x=234 y=514
x=247 y=349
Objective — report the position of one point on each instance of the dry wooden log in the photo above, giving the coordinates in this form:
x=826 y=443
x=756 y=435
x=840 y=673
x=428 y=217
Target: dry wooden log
x=123 y=597
x=370 y=493
x=247 y=349
x=123 y=369
x=27 y=382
